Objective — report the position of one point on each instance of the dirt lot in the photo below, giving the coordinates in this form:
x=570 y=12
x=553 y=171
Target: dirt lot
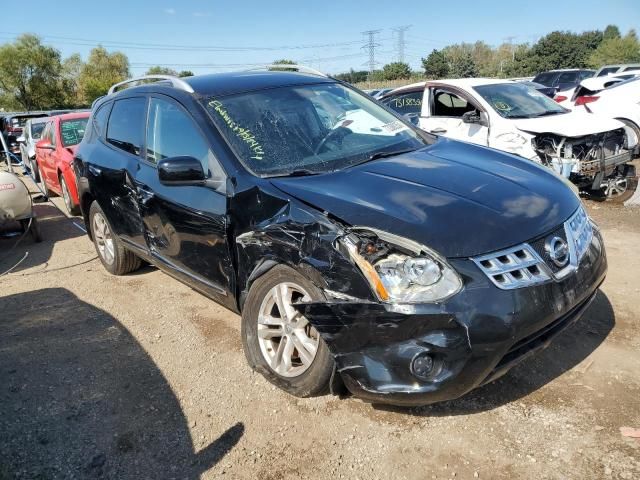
x=141 y=377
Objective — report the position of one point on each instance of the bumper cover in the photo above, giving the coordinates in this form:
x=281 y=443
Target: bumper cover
x=474 y=337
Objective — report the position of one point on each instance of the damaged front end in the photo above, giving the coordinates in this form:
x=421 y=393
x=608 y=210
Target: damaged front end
x=592 y=161
x=415 y=350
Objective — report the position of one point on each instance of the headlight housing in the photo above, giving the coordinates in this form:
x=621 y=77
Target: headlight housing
x=400 y=270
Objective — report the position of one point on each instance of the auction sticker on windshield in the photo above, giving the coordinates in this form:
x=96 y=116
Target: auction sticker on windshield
x=394 y=127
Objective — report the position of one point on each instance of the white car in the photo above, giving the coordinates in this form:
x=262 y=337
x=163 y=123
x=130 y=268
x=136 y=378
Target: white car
x=30 y=136
x=590 y=86
x=620 y=101
x=592 y=151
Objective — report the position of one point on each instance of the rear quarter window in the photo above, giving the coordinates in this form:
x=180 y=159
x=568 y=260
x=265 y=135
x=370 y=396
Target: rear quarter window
x=125 y=129
x=100 y=118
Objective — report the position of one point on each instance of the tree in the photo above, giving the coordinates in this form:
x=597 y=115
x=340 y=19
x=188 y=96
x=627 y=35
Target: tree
x=617 y=50
x=353 y=76
x=102 y=70
x=612 y=31
x=396 y=71
x=157 y=70
x=435 y=65
x=30 y=74
x=284 y=61
x=185 y=73
x=463 y=66
x=71 y=69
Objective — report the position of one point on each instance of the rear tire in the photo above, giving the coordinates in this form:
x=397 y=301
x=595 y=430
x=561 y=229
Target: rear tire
x=33 y=167
x=303 y=374
x=115 y=258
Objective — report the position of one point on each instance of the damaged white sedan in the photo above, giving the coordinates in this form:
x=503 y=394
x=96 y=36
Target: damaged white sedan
x=591 y=151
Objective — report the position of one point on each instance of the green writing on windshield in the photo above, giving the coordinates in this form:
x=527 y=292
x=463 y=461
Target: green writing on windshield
x=72 y=131
x=242 y=133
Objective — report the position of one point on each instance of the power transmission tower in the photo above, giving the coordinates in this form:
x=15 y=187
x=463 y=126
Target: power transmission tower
x=513 y=50
x=401 y=44
x=370 y=36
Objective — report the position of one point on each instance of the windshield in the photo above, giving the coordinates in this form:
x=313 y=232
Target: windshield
x=72 y=131
x=514 y=100
x=308 y=129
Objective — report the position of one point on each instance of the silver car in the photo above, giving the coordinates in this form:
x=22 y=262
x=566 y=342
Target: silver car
x=30 y=136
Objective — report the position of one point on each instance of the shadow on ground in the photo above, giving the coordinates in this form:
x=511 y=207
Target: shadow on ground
x=565 y=352
x=80 y=398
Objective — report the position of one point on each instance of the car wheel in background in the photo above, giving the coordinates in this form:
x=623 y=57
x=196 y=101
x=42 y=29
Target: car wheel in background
x=72 y=208
x=114 y=257
x=278 y=341
x=33 y=168
x=42 y=184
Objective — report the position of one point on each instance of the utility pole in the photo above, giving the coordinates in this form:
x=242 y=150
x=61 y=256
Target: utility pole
x=370 y=36
x=510 y=40
x=401 y=44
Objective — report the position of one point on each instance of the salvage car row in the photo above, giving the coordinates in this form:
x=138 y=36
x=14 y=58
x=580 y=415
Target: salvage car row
x=361 y=251
x=46 y=143
x=591 y=143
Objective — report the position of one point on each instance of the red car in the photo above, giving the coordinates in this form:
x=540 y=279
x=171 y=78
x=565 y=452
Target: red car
x=54 y=157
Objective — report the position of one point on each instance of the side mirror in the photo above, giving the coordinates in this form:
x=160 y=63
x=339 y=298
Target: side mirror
x=181 y=171
x=21 y=139
x=45 y=144
x=473 y=116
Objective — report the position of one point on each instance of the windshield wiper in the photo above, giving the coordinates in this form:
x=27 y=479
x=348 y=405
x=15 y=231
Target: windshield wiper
x=300 y=172
x=544 y=114
x=378 y=155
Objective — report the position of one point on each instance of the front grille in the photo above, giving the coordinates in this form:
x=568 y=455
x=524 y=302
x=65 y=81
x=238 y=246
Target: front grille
x=531 y=264
x=513 y=268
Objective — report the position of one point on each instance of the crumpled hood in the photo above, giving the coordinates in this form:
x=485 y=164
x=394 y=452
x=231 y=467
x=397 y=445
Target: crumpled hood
x=576 y=123
x=456 y=198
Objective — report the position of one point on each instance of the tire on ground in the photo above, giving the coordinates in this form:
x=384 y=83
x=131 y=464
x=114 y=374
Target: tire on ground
x=124 y=260
x=315 y=380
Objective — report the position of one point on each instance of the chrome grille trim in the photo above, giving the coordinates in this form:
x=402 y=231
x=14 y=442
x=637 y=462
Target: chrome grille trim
x=514 y=267
x=521 y=266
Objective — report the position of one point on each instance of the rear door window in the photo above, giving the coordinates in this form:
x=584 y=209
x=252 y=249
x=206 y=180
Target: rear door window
x=607 y=71
x=125 y=129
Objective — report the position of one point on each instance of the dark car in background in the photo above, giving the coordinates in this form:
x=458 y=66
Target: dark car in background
x=12 y=126
x=548 y=91
x=357 y=248
x=563 y=79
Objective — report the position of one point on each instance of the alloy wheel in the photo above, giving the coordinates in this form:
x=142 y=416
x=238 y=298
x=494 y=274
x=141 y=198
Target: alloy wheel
x=66 y=196
x=103 y=238
x=288 y=342
x=615 y=187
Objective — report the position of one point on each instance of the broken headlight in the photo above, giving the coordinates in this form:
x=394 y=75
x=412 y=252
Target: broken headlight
x=400 y=270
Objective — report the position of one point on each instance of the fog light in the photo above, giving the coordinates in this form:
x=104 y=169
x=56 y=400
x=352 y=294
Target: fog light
x=422 y=366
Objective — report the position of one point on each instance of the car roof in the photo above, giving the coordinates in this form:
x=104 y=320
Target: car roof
x=454 y=82
x=222 y=84
x=72 y=115
x=569 y=70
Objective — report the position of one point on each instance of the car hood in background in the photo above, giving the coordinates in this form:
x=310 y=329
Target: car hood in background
x=459 y=199
x=572 y=124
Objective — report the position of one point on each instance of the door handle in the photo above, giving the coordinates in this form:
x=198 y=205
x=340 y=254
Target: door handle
x=438 y=131
x=94 y=170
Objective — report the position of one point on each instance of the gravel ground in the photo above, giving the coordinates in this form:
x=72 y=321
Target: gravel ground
x=141 y=377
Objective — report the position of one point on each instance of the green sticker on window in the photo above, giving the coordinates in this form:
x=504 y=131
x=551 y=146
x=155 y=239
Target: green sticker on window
x=242 y=133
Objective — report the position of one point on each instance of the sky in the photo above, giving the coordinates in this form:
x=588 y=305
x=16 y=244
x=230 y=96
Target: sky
x=210 y=36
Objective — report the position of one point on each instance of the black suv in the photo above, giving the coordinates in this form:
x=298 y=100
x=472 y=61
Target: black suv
x=563 y=79
x=357 y=248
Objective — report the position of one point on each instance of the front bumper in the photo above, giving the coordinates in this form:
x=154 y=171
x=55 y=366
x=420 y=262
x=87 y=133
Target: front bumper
x=474 y=337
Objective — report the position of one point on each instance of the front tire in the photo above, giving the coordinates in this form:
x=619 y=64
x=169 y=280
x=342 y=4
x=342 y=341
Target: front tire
x=116 y=259
x=278 y=341
x=72 y=208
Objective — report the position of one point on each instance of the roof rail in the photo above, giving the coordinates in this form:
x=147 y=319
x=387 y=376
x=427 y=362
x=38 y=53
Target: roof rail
x=285 y=66
x=174 y=81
